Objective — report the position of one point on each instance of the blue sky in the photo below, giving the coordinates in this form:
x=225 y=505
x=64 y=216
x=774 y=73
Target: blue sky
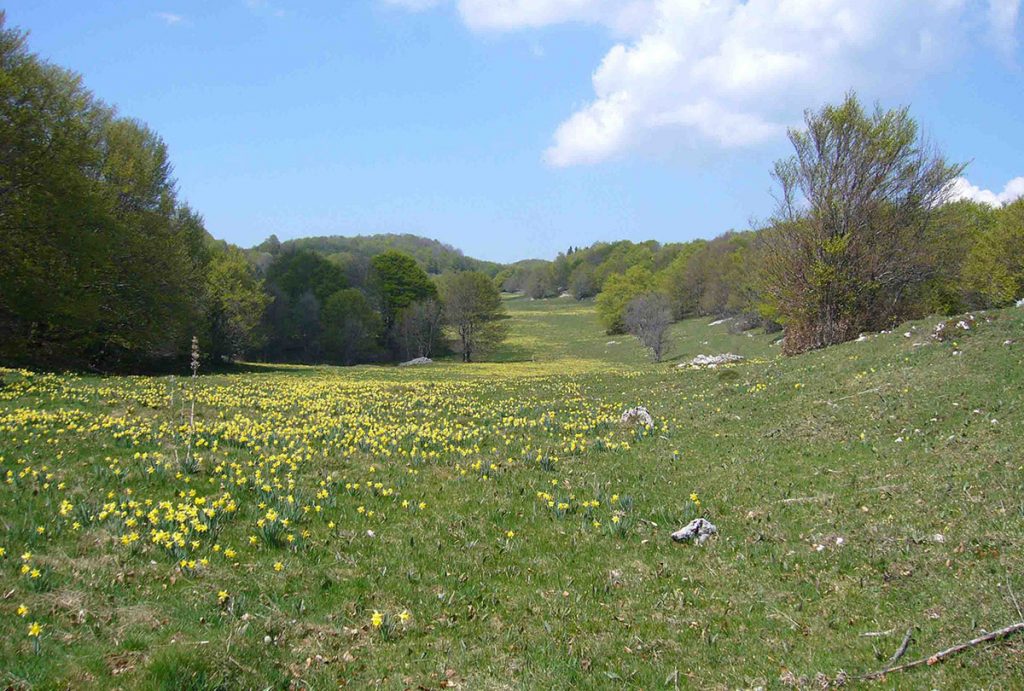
x=515 y=128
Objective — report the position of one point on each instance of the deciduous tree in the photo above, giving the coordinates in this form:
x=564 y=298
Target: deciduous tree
x=473 y=310
x=648 y=317
x=848 y=243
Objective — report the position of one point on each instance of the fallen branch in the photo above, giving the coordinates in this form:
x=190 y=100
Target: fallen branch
x=805 y=500
x=949 y=652
x=903 y=647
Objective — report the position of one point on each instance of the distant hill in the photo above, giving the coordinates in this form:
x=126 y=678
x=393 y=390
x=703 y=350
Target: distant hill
x=434 y=256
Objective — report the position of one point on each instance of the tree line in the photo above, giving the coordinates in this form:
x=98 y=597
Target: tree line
x=104 y=267
x=864 y=235
x=316 y=312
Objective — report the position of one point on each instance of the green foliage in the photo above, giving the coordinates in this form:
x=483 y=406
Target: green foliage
x=475 y=313
x=618 y=291
x=299 y=282
x=351 y=327
x=995 y=266
x=235 y=303
x=543 y=281
x=583 y=282
x=433 y=256
x=955 y=231
x=297 y=272
x=101 y=265
x=400 y=281
x=850 y=240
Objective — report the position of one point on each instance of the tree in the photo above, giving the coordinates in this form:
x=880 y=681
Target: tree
x=540 y=283
x=648 y=317
x=618 y=290
x=301 y=271
x=235 y=303
x=307 y=343
x=848 y=242
x=400 y=281
x=350 y=327
x=419 y=327
x=299 y=283
x=473 y=310
x=582 y=282
x=956 y=235
x=995 y=265
x=101 y=266
x=682 y=280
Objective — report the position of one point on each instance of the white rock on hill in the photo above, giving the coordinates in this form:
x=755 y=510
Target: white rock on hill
x=713 y=360
x=698 y=529
x=638 y=415
x=416 y=361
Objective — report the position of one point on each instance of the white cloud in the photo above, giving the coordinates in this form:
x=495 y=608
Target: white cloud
x=414 y=5
x=1003 y=16
x=733 y=74
x=265 y=7
x=963 y=189
x=170 y=18
x=736 y=73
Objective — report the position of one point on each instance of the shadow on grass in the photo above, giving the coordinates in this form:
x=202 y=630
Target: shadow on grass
x=510 y=353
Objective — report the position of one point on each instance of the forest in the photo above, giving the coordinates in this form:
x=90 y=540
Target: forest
x=105 y=268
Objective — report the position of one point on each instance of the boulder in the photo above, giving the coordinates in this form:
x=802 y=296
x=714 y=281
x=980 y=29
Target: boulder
x=698 y=530
x=416 y=361
x=713 y=360
x=638 y=416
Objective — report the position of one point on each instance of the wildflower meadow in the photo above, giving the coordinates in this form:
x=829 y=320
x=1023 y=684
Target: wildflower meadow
x=497 y=525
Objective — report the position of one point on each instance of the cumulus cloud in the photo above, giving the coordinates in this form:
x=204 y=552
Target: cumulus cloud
x=963 y=189
x=736 y=73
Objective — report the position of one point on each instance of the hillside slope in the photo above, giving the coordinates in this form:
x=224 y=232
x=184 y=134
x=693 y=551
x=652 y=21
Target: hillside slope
x=434 y=256
x=510 y=532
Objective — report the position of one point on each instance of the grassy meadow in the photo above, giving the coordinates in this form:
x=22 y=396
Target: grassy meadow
x=494 y=525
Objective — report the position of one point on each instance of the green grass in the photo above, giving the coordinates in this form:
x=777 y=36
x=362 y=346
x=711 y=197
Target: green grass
x=884 y=443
